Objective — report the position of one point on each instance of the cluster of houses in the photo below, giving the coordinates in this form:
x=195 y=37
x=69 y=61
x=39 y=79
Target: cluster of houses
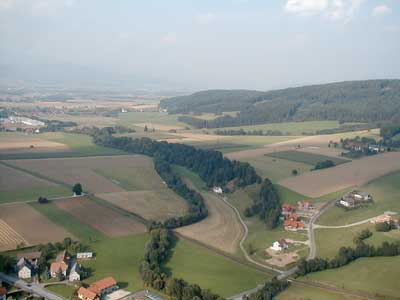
x=292 y=221
x=362 y=147
x=98 y=290
x=23 y=124
x=386 y=218
x=354 y=199
x=64 y=266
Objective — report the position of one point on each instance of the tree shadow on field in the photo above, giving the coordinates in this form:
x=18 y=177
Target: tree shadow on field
x=164 y=268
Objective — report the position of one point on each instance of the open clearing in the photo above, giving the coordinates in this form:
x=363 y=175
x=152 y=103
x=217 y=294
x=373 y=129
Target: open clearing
x=385 y=191
x=103 y=219
x=377 y=275
x=18 y=186
x=151 y=205
x=316 y=144
x=162 y=127
x=31 y=225
x=302 y=292
x=306 y=157
x=355 y=173
x=221 y=229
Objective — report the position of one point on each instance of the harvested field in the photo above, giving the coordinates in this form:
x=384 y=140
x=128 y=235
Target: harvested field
x=97 y=173
x=9 y=238
x=103 y=219
x=151 y=205
x=355 y=173
x=281 y=259
x=188 y=137
x=14 y=141
x=306 y=157
x=221 y=229
x=29 y=225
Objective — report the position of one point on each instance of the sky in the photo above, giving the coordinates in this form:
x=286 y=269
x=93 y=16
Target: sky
x=204 y=44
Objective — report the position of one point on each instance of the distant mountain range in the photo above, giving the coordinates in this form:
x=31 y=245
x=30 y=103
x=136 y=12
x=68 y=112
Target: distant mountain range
x=352 y=101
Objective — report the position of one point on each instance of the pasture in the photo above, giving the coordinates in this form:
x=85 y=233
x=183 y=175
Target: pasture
x=329 y=240
x=101 y=218
x=306 y=157
x=28 y=225
x=376 y=275
x=212 y=271
x=157 y=205
x=355 y=173
x=385 y=191
x=16 y=141
x=17 y=186
x=130 y=119
x=302 y=292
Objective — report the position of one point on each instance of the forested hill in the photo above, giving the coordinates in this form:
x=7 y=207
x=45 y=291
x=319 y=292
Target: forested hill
x=352 y=101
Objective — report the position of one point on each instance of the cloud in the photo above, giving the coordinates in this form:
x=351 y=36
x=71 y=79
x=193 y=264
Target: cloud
x=169 y=38
x=381 y=10
x=332 y=9
x=205 y=19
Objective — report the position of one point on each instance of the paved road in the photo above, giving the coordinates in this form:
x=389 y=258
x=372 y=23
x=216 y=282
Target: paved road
x=30 y=288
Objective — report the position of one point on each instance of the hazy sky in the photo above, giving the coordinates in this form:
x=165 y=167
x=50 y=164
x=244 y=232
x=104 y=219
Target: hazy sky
x=205 y=43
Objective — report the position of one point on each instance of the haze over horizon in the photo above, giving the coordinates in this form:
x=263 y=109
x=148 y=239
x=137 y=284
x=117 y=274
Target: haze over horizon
x=250 y=44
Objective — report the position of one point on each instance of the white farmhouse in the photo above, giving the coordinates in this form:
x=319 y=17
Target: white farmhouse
x=84 y=255
x=279 y=245
x=217 y=190
x=24 y=269
x=74 y=273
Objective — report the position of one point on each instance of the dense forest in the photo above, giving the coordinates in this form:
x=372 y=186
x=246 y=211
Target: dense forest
x=267 y=206
x=210 y=165
x=354 y=101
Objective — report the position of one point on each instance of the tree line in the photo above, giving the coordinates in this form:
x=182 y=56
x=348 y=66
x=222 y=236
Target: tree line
x=157 y=251
x=210 y=165
x=267 y=206
x=346 y=255
x=241 y=131
x=197 y=206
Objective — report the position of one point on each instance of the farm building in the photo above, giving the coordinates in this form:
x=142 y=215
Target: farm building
x=217 y=190
x=3 y=293
x=354 y=199
x=287 y=209
x=104 y=286
x=84 y=255
x=74 y=272
x=30 y=256
x=385 y=218
x=86 y=294
x=25 y=269
x=292 y=223
x=60 y=265
x=280 y=245
x=304 y=205
x=147 y=295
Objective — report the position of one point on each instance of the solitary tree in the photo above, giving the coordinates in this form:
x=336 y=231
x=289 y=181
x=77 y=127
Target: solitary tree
x=77 y=189
x=295 y=172
x=43 y=200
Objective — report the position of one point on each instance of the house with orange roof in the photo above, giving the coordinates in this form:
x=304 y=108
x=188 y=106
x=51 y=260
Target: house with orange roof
x=104 y=286
x=86 y=294
x=60 y=265
x=304 y=205
x=287 y=209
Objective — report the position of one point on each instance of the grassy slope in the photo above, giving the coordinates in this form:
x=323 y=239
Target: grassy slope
x=375 y=275
x=275 y=168
x=306 y=158
x=300 y=292
x=329 y=240
x=31 y=194
x=130 y=118
x=385 y=191
x=201 y=266
x=65 y=291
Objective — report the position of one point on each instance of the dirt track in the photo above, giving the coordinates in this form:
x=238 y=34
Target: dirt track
x=355 y=173
x=100 y=218
x=221 y=229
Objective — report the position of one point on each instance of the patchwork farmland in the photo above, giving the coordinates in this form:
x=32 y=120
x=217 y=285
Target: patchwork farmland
x=101 y=218
x=28 y=226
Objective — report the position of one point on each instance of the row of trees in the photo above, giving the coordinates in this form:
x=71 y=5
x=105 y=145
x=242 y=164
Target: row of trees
x=267 y=206
x=197 y=207
x=346 y=255
x=269 y=290
x=324 y=164
x=210 y=165
x=157 y=250
x=241 y=131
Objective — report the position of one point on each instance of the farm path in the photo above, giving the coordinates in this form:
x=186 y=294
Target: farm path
x=348 y=225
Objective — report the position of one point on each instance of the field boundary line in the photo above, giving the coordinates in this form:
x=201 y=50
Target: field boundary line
x=35 y=174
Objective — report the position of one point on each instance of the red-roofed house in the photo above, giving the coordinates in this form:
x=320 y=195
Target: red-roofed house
x=86 y=294
x=287 y=209
x=293 y=225
x=3 y=293
x=104 y=286
x=304 y=205
x=60 y=265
